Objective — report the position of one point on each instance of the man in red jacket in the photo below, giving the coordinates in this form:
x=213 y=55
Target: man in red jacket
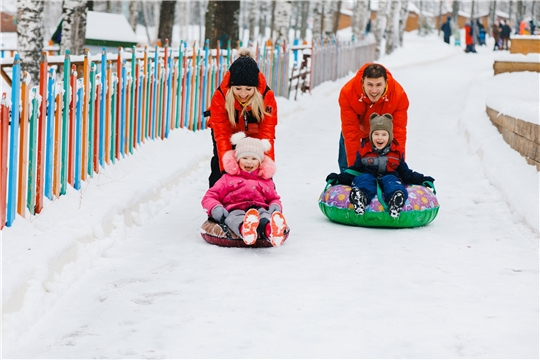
x=372 y=90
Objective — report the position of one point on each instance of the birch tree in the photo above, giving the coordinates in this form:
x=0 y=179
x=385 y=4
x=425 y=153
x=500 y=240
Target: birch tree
x=222 y=22
x=379 y=26
x=403 y=15
x=30 y=36
x=133 y=14
x=392 y=27
x=328 y=11
x=282 y=20
x=491 y=15
x=262 y=19
x=251 y=19
x=317 y=18
x=73 y=26
x=455 y=11
x=304 y=10
x=360 y=16
x=336 y=17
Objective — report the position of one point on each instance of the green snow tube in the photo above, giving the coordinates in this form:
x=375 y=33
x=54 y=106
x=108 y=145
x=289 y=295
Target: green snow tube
x=420 y=209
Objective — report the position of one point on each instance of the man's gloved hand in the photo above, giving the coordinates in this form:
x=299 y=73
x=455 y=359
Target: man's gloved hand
x=219 y=213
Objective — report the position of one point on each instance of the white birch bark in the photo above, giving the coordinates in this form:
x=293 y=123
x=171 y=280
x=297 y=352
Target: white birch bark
x=133 y=14
x=30 y=36
x=403 y=15
x=252 y=17
x=378 y=27
x=491 y=16
x=317 y=18
x=282 y=20
x=392 y=32
x=304 y=18
x=360 y=16
x=73 y=26
x=329 y=9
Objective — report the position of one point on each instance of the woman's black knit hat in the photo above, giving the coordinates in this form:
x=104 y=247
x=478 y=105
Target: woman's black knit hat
x=244 y=72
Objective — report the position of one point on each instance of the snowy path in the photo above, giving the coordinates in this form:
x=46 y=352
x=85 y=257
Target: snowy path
x=464 y=286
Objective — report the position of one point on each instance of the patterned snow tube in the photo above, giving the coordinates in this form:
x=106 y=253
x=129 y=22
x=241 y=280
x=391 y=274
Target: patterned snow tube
x=420 y=209
x=214 y=234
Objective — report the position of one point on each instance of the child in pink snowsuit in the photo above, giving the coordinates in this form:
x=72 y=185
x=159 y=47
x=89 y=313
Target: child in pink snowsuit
x=245 y=197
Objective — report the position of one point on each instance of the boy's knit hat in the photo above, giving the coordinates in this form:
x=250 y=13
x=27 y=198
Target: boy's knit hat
x=247 y=146
x=244 y=70
x=381 y=122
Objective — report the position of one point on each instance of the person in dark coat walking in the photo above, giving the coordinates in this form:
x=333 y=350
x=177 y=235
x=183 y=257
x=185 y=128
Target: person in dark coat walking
x=496 y=33
x=447 y=30
x=505 y=34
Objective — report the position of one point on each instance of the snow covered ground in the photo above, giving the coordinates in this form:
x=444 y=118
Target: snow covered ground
x=119 y=270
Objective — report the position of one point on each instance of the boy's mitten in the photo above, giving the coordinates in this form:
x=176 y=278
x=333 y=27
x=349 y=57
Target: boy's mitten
x=333 y=178
x=274 y=208
x=342 y=178
x=219 y=212
x=427 y=178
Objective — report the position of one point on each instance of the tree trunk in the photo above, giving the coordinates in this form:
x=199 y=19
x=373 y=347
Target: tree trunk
x=222 y=22
x=421 y=19
x=73 y=26
x=392 y=27
x=378 y=28
x=472 y=12
x=455 y=11
x=252 y=19
x=166 y=21
x=337 y=16
x=360 y=16
x=303 y=19
x=440 y=19
x=30 y=36
x=491 y=16
x=328 y=11
x=317 y=19
x=403 y=15
x=273 y=19
x=282 y=20
x=519 y=11
x=133 y=14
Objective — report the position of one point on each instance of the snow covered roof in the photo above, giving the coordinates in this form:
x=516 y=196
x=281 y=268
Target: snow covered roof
x=108 y=29
x=413 y=8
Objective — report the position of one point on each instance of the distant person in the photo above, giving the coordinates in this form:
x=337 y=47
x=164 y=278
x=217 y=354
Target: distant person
x=532 y=26
x=245 y=197
x=242 y=102
x=505 y=34
x=457 y=36
x=372 y=89
x=447 y=30
x=469 y=37
x=496 y=33
x=379 y=162
x=481 y=33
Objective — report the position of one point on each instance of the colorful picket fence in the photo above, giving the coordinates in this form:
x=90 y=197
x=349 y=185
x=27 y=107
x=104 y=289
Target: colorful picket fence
x=106 y=106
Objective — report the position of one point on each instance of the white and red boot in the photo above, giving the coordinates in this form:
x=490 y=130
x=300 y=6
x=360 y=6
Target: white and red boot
x=249 y=226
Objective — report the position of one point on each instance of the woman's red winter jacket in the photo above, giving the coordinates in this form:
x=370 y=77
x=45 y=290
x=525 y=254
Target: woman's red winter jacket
x=356 y=108
x=222 y=127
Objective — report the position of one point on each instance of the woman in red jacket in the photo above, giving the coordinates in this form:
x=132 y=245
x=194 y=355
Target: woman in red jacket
x=242 y=102
x=372 y=90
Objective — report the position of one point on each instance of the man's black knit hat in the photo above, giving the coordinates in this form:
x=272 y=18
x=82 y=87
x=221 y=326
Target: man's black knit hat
x=244 y=72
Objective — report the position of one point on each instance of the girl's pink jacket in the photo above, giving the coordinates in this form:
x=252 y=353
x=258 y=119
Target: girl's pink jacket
x=240 y=190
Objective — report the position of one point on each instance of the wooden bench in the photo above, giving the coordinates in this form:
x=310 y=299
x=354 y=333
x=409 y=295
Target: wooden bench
x=513 y=66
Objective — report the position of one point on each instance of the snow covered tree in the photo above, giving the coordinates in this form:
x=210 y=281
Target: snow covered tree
x=403 y=15
x=392 y=27
x=30 y=36
x=166 y=21
x=222 y=22
x=360 y=17
x=379 y=26
x=282 y=20
x=73 y=26
x=329 y=11
x=262 y=19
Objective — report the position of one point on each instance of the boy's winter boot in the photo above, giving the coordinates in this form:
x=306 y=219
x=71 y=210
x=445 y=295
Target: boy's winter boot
x=396 y=203
x=276 y=229
x=358 y=200
x=249 y=226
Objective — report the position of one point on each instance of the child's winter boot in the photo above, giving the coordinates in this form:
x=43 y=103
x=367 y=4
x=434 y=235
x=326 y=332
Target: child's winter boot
x=249 y=226
x=358 y=200
x=396 y=203
x=276 y=229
